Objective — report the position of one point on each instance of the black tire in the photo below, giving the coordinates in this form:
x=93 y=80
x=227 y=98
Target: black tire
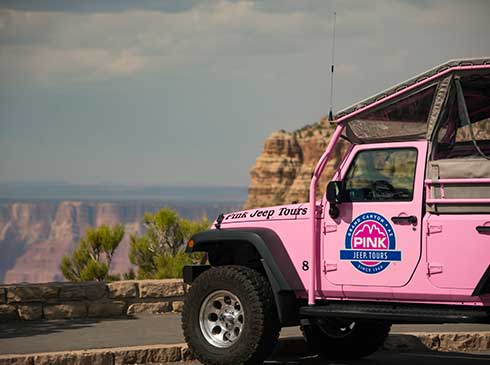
x=261 y=326
x=345 y=339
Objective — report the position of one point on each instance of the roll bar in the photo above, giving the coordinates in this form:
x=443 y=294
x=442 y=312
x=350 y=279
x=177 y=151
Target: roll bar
x=314 y=211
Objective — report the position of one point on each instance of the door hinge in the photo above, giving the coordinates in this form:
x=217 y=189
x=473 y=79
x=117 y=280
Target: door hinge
x=328 y=228
x=318 y=211
x=434 y=229
x=434 y=268
x=329 y=266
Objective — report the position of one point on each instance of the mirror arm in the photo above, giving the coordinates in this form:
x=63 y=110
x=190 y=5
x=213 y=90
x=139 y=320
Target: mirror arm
x=334 y=211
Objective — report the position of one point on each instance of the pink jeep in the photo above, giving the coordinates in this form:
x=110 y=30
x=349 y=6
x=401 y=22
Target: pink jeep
x=402 y=234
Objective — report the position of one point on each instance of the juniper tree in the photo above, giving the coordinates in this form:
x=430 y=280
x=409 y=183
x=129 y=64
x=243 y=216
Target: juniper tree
x=92 y=259
x=159 y=252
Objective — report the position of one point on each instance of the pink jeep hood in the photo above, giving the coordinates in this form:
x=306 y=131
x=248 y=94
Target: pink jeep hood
x=280 y=212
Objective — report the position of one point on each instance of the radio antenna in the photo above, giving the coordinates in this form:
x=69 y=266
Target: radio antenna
x=330 y=113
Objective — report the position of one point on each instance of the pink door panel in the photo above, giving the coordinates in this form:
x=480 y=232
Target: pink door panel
x=376 y=240
x=457 y=252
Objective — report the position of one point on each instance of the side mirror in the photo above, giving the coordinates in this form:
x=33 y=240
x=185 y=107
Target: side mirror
x=334 y=192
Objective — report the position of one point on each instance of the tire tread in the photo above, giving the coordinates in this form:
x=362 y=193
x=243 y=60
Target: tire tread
x=262 y=316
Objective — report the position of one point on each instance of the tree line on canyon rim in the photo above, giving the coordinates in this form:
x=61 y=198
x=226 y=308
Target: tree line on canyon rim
x=157 y=254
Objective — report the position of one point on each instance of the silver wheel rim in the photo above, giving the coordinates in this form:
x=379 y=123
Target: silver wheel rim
x=221 y=318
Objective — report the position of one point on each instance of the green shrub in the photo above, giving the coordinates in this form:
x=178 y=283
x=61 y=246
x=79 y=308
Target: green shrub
x=158 y=253
x=92 y=259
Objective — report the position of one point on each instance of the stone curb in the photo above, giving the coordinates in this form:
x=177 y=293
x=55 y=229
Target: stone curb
x=438 y=341
x=148 y=354
x=151 y=354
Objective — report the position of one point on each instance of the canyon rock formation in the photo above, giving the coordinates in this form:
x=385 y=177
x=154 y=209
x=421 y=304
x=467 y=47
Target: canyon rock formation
x=282 y=173
x=35 y=235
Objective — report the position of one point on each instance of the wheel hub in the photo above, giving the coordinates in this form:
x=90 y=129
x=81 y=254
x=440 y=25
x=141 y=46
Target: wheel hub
x=221 y=318
x=228 y=319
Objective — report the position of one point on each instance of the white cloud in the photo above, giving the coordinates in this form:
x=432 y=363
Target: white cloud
x=74 y=64
x=57 y=46
x=74 y=46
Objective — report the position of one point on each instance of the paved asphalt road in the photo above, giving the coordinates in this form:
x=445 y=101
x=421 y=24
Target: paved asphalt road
x=46 y=336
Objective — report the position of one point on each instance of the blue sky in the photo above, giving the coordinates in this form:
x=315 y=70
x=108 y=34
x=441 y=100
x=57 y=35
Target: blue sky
x=185 y=92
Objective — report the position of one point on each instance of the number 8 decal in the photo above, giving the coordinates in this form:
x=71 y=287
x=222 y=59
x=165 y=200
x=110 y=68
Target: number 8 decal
x=306 y=266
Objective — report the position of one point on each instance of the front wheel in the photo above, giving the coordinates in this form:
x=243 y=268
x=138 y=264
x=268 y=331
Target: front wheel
x=345 y=339
x=230 y=317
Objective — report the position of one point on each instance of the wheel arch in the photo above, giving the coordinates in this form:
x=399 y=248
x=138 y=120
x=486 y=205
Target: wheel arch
x=249 y=247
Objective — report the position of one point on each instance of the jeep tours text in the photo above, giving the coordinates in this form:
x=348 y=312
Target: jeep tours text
x=401 y=235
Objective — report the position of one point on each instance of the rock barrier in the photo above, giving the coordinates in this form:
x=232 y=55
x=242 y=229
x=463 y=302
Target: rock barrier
x=289 y=346
x=90 y=299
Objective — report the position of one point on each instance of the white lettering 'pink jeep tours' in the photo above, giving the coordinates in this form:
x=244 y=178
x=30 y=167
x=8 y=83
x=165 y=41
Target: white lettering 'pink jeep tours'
x=401 y=235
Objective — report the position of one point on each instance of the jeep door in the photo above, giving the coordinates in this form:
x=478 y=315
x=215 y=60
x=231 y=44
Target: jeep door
x=376 y=239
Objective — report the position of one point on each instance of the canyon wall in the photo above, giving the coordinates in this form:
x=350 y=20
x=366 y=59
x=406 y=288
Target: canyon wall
x=35 y=235
x=282 y=173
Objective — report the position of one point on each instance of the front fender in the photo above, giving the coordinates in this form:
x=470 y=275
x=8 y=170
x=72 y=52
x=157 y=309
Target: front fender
x=262 y=240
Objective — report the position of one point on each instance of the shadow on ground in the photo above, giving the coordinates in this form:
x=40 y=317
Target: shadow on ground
x=35 y=328
x=294 y=350
x=389 y=358
x=23 y=337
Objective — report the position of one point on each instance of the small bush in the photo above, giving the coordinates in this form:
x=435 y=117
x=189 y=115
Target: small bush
x=158 y=254
x=92 y=259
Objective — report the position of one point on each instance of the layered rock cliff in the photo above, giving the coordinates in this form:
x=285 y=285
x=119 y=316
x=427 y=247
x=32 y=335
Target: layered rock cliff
x=282 y=173
x=35 y=235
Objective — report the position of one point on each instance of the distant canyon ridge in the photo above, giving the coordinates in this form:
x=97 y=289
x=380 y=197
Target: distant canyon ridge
x=34 y=235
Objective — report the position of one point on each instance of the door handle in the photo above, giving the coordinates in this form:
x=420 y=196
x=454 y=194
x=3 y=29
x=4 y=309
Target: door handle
x=483 y=229
x=411 y=219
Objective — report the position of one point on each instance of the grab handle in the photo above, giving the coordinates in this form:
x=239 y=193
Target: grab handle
x=483 y=229
x=411 y=219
